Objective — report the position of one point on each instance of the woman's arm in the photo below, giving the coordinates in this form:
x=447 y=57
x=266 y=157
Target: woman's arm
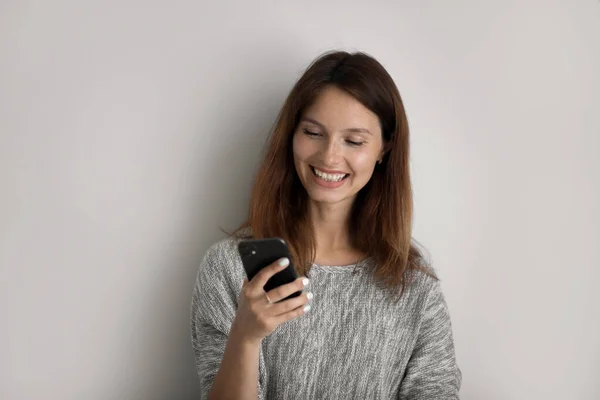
x=238 y=373
x=432 y=372
x=227 y=366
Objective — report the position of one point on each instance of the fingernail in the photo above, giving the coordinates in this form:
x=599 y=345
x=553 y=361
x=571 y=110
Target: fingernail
x=305 y=281
x=309 y=295
x=284 y=261
x=307 y=308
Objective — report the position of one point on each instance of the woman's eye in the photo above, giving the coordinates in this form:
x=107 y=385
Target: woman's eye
x=309 y=133
x=353 y=143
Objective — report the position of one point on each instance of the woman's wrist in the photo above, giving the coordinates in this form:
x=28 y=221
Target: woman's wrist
x=239 y=337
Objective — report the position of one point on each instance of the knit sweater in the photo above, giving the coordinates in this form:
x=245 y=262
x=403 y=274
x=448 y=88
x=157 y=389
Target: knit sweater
x=356 y=342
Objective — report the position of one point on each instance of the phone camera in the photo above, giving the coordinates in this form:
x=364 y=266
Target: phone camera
x=248 y=251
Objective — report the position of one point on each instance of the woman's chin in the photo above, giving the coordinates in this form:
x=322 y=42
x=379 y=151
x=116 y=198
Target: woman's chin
x=328 y=198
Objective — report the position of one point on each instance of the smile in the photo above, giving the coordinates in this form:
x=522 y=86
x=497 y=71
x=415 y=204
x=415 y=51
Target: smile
x=328 y=177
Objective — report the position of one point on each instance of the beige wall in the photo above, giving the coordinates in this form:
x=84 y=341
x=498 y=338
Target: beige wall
x=129 y=132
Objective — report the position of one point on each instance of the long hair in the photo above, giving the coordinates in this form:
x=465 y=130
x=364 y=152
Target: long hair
x=381 y=216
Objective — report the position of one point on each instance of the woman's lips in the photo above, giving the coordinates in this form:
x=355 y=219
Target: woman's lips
x=328 y=184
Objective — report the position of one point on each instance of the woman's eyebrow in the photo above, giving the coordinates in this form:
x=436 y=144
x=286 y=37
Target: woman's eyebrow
x=314 y=121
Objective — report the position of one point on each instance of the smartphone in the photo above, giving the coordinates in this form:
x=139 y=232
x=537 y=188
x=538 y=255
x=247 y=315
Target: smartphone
x=257 y=254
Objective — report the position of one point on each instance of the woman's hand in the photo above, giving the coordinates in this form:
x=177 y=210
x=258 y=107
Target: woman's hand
x=256 y=318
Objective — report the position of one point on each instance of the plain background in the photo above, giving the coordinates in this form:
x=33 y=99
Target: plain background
x=131 y=130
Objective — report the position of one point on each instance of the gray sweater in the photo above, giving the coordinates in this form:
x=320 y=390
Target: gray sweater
x=356 y=342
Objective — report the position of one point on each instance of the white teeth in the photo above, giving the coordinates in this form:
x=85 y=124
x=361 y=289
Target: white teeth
x=329 y=177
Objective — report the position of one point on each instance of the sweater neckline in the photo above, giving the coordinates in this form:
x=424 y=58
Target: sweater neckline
x=340 y=269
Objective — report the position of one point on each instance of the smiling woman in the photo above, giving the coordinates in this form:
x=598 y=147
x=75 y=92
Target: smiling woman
x=328 y=155
x=335 y=185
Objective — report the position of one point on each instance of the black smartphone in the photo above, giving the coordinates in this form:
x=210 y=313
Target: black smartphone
x=257 y=254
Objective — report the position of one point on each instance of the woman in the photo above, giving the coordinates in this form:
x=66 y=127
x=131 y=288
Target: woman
x=372 y=323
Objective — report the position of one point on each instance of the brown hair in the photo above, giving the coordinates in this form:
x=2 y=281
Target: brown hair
x=381 y=221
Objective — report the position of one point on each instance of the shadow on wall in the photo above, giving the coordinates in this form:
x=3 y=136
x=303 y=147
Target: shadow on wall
x=219 y=180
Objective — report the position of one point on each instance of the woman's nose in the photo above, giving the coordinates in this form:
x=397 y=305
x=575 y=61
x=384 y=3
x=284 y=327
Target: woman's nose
x=331 y=153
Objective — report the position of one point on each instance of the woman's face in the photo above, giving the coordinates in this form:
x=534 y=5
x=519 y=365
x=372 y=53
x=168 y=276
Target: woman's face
x=336 y=145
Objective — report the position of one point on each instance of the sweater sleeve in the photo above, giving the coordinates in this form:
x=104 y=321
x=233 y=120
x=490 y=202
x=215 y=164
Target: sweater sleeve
x=432 y=372
x=213 y=309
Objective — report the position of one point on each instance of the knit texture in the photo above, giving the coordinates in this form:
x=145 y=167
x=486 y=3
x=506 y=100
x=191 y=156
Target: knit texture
x=356 y=342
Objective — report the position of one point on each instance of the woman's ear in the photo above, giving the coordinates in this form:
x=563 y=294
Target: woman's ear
x=384 y=149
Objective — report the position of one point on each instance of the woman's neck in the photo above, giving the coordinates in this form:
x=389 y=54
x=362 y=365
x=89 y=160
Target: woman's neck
x=331 y=229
